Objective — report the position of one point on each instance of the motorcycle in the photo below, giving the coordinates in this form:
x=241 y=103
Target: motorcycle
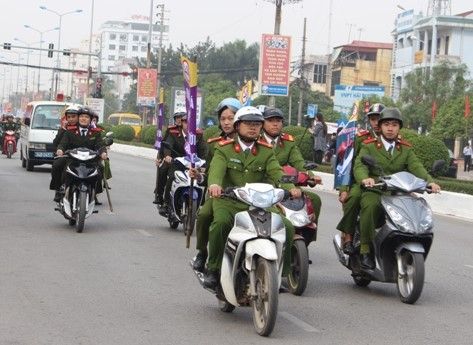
x=82 y=175
x=9 y=143
x=182 y=211
x=253 y=256
x=402 y=243
x=301 y=214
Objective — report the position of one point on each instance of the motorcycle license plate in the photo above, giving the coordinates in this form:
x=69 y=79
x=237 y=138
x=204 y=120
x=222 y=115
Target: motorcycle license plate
x=44 y=154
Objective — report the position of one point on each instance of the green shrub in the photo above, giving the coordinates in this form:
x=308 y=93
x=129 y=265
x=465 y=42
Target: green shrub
x=123 y=132
x=105 y=126
x=453 y=185
x=143 y=131
x=306 y=146
x=211 y=132
x=149 y=135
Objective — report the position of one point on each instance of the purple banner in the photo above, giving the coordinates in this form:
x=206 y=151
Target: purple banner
x=189 y=70
x=160 y=121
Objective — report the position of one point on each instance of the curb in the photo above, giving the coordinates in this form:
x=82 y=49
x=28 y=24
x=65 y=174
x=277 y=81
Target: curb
x=445 y=203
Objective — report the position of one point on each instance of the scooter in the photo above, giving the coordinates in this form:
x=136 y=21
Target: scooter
x=82 y=175
x=253 y=256
x=402 y=243
x=9 y=143
x=182 y=210
x=301 y=214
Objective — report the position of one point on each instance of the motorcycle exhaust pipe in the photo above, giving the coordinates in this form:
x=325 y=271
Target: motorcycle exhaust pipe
x=342 y=257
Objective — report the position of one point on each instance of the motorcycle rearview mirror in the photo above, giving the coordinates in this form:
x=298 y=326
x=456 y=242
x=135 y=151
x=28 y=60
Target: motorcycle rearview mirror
x=438 y=166
x=109 y=134
x=310 y=165
x=369 y=161
x=27 y=121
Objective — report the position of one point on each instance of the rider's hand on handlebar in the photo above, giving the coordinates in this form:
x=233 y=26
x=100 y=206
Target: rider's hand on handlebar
x=317 y=179
x=295 y=193
x=59 y=153
x=368 y=182
x=434 y=187
x=342 y=197
x=215 y=191
x=168 y=159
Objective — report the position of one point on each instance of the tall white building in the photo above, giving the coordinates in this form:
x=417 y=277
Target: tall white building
x=423 y=41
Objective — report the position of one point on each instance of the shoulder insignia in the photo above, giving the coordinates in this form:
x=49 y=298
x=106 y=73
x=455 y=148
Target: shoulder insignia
x=71 y=127
x=287 y=137
x=404 y=142
x=264 y=143
x=96 y=130
x=212 y=140
x=363 y=133
x=369 y=141
x=225 y=142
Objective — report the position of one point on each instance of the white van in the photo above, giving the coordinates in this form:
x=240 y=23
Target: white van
x=39 y=127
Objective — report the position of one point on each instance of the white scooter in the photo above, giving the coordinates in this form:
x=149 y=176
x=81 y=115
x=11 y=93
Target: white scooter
x=253 y=256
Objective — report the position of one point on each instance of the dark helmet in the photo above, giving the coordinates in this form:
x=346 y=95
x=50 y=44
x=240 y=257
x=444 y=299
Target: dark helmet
x=273 y=112
x=179 y=113
x=230 y=103
x=390 y=114
x=375 y=109
x=86 y=111
x=248 y=113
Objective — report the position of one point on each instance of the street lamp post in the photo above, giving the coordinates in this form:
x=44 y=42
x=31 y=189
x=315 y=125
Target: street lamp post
x=60 y=15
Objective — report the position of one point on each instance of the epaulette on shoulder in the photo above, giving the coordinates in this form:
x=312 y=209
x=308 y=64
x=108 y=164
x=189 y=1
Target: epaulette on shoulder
x=71 y=127
x=404 y=142
x=212 y=140
x=363 y=133
x=287 y=137
x=225 y=142
x=369 y=141
x=96 y=130
x=264 y=143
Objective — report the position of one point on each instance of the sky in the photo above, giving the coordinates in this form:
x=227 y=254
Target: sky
x=191 y=21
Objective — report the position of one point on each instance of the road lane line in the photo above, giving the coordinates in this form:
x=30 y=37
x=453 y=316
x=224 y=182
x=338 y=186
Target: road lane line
x=469 y=266
x=143 y=232
x=299 y=323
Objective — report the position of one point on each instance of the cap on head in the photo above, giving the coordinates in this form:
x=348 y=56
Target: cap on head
x=375 y=109
x=228 y=103
x=388 y=114
x=179 y=113
x=248 y=113
x=87 y=111
x=273 y=112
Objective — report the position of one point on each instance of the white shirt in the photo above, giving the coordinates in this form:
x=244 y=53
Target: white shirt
x=270 y=139
x=83 y=132
x=243 y=146
x=468 y=151
x=388 y=145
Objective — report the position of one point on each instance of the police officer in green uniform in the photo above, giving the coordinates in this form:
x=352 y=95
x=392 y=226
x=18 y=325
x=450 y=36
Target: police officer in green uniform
x=164 y=162
x=81 y=136
x=350 y=196
x=226 y=110
x=286 y=150
x=236 y=162
x=392 y=155
x=175 y=147
x=8 y=125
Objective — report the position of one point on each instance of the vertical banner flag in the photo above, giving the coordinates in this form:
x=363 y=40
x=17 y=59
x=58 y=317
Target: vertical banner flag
x=146 y=88
x=160 y=120
x=245 y=93
x=467 y=106
x=189 y=71
x=345 y=150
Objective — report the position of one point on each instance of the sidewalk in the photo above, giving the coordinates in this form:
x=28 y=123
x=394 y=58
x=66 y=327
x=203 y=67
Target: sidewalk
x=462 y=175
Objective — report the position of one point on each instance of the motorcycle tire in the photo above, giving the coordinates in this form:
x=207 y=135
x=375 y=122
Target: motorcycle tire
x=81 y=212
x=72 y=222
x=360 y=281
x=225 y=306
x=9 y=150
x=410 y=284
x=174 y=225
x=299 y=274
x=265 y=305
x=29 y=165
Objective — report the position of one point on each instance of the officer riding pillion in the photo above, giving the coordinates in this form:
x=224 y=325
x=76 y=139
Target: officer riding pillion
x=392 y=155
x=244 y=159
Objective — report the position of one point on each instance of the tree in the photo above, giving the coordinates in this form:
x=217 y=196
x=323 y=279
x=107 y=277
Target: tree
x=450 y=121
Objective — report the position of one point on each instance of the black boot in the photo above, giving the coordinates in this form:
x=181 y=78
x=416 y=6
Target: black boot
x=367 y=262
x=211 y=279
x=57 y=196
x=199 y=262
x=163 y=210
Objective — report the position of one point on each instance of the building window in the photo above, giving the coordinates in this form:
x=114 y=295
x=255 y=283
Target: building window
x=336 y=77
x=447 y=41
x=112 y=37
x=121 y=57
x=122 y=48
x=438 y=46
x=134 y=48
x=144 y=38
x=370 y=83
x=136 y=38
x=320 y=74
x=401 y=43
x=111 y=46
x=144 y=48
x=111 y=57
x=123 y=37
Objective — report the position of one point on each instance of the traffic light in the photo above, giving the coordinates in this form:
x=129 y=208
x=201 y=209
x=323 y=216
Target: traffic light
x=50 y=51
x=7 y=46
x=66 y=52
x=134 y=73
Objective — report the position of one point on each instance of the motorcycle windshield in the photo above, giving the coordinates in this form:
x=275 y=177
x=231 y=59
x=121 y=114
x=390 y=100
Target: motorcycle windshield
x=259 y=195
x=408 y=213
x=83 y=154
x=405 y=181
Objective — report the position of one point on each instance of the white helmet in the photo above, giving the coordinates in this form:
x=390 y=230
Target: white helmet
x=248 y=113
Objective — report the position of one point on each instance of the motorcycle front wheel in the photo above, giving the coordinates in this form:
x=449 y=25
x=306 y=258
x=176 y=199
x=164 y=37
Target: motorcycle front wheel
x=410 y=276
x=298 y=276
x=9 y=150
x=81 y=212
x=265 y=305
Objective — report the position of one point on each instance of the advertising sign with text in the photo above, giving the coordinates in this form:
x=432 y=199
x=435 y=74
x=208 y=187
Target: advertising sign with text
x=274 y=65
x=146 y=88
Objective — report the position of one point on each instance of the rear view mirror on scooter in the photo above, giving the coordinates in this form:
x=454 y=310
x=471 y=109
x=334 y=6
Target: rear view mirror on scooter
x=310 y=165
x=438 y=166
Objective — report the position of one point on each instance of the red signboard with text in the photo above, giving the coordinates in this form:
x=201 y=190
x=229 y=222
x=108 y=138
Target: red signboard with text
x=274 y=64
x=146 y=90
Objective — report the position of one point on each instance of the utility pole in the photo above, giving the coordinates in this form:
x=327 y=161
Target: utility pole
x=302 y=80
x=90 y=46
x=160 y=53
x=328 y=79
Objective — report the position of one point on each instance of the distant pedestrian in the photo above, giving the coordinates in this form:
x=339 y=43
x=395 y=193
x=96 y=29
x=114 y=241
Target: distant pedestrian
x=467 y=153
x=320 y=134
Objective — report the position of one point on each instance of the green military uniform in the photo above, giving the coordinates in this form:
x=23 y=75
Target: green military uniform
x=287 y=153
x=232 y=167
x=402 y=159
x=351 y=206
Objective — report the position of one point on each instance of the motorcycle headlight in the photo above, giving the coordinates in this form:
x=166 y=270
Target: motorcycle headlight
x=399 y=219
x=298 y=219
x=427 y=222
x=38 y=146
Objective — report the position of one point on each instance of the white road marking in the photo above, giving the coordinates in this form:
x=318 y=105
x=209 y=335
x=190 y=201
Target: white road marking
x=469 y=266
x=144 y=232
x=299 y=323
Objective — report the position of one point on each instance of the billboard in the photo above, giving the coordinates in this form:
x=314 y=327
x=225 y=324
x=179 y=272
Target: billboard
x=274 y=69
x=405 y=21
x=347 y=95
x=178 y=102
x=97 y=105
x=146 y=92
